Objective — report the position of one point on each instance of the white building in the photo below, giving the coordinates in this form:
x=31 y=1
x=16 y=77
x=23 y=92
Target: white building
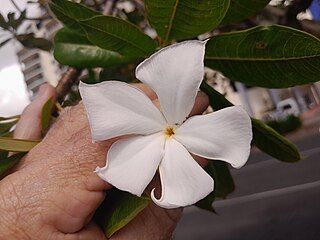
x=39 y=66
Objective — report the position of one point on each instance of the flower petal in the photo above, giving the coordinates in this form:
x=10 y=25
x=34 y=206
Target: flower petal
x=116 y=108
x=223 y=135
x=183 y=181
x=132 y=162
x=175 y=74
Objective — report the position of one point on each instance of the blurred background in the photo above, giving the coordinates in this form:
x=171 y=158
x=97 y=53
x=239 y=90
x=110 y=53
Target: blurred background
x=272 y=199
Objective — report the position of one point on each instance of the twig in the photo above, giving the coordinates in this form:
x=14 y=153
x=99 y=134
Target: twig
x=16 y=6
x=66 y=81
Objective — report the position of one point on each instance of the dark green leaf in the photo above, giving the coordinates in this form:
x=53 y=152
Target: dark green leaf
x=271 y=142
x=6 y=125
x=118 y=35
x=70 y=13
x=118 y=209
x=264 y=137
x=46 y=115
x=273 y=57
x=4 y=42
x=75 y=50
x=206 y=203
x=107 y=32
x=15 y=23
x=7 y=163
x=30 y=41
x=16 y=145
x=216 y=99
x=134 y=17
x=3 y=23
x=21 y=18
x=11 y=17
x=240 y=10
x=177 y=19
x=223 y=181
x=3 y=154
x=223 y=184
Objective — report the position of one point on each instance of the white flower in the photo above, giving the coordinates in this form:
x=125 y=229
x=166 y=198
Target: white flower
x=163 y=139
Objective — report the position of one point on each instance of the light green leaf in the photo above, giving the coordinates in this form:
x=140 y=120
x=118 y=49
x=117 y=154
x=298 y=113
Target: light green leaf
x=10 y=118
x=16 y=145
x=264 y=137
x=46 y=115
x=240 y=10
x=273 y=57
x=7 y=163
x=75 y=50
x=106 y=32
x=118 y=209
x=182 y=19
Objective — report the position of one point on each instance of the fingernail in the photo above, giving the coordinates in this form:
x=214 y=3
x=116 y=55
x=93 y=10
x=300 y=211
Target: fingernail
x=42 y=90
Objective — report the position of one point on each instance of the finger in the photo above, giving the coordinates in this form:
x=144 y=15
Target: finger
x=200 y=105
x=90 y=232
x=29 y=125
x=147 y=90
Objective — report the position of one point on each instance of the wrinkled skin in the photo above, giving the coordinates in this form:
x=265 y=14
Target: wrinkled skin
x=53 y=192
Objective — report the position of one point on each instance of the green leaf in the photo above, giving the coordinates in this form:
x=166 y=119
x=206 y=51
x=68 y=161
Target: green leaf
x=75 y=50
x=182 y=19
x=30 y=41
x=3 y=154
x=6 y=125
x=264 y=137
x=118 y=35
x=15 y=23
x=223 y=181
x=118 y=209
x=240 y=10
x=223 y=184
x=16 y=145
x=206 y=203
x=7 y=163
x=70 y=13
x=46 y=115
x=106 y=32
x=10 y=118
x=273 y=56
x=270 y=141
x=3 y=23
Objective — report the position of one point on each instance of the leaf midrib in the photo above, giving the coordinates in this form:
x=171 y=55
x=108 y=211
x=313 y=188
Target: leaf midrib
x=82 y=22
x=115 y=36
x=175 y=7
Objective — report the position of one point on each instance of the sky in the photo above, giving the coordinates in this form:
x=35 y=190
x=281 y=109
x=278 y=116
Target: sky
x=13 y=91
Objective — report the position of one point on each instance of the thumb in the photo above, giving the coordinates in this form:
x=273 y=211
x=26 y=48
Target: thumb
x=89 y=232
x=29 y=125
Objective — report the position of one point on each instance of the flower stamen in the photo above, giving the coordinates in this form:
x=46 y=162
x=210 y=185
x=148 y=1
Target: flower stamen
x=169 y=131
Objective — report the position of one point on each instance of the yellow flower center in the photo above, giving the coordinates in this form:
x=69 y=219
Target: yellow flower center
x=169 y=131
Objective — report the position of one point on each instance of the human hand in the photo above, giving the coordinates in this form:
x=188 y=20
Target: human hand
x=53 y=192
